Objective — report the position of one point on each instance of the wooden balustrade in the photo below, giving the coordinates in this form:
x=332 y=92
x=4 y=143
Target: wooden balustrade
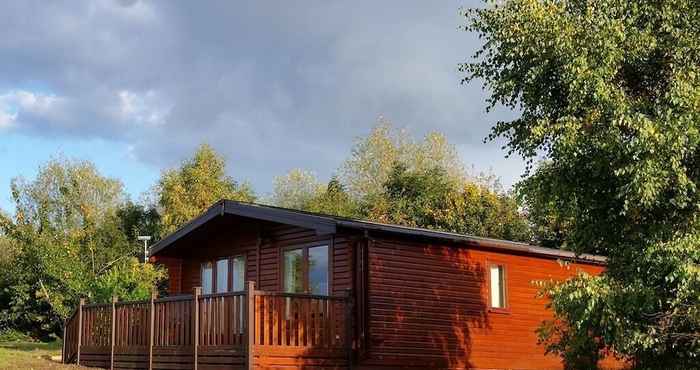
x=207 y=331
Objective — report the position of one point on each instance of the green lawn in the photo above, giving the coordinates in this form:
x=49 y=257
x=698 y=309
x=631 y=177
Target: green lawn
x=30 y=355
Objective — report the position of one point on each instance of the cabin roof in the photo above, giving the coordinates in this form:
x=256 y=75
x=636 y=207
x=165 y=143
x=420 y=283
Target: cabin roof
x=327 y=224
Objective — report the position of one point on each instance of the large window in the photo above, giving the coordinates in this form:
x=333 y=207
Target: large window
x=306 y=270
x=223 y=275
x=497 y=286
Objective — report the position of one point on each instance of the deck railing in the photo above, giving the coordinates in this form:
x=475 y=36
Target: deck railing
x=210 y=331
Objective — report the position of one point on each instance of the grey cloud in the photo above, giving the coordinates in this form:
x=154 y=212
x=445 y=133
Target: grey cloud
x=272 y=85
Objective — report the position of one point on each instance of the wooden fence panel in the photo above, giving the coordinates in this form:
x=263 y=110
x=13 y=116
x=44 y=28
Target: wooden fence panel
x=131 y=336
x=96 y=335
x=70 y=339
x=222 y=335
x=173 y=333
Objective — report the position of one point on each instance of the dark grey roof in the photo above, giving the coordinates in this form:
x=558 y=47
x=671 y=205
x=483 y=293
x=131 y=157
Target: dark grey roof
x=326 y=224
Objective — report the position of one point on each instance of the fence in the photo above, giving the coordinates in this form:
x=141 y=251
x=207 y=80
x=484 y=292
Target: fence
x=212 y=332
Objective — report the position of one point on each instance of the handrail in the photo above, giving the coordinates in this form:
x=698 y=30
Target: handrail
x=225 y=294
x=300 y=295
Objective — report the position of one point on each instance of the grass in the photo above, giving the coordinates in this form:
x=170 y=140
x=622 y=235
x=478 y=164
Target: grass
x=32 y=356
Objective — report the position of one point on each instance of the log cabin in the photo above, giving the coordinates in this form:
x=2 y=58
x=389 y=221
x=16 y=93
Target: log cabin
x=259 y=287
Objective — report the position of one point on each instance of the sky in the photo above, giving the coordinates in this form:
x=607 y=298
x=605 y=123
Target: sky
x=136 y=86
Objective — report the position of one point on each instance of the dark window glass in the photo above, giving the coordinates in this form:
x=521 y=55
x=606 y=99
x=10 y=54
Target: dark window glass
x=222 y=276
x=207 y=270
x=318 y=270
x=294 y=271
x=238 y=274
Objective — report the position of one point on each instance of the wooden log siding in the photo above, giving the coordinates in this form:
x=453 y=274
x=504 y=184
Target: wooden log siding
x=428 y=307
x=287 y=330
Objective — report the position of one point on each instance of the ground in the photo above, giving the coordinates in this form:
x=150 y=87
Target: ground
x=31 y=356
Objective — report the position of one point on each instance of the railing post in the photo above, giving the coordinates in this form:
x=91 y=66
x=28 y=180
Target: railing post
x=114 y=325
x=151 y=329
x=348 y=326
x=63 y=347
x=195 y=302
x=80 y=328
x=250 y=324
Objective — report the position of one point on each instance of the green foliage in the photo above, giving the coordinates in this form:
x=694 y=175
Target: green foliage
x=130 y=281
x=13 y=335
x=429 y=199
x=68 y=232
x=392 y=178
x=296 y=189
x=199 y=182
x=373 y=158
x=609 y=94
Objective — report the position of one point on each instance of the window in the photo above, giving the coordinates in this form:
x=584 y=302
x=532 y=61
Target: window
x=294 y=271
x=238 y=274
x=497 y=286
x=207 y=270
x=318 y=270
x=306 y=270
x=223 y=275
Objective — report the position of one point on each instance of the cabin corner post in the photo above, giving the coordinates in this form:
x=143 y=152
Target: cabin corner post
x=63 y=346
x=250 y=325
x=151 y=324
x=80 y=328
x=113 y=332
x=349 y=323
x=195 y=341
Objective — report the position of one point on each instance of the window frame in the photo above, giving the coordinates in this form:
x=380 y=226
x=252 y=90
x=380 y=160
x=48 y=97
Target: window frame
x=229 y=278
x=506 y=301
x=305 y=266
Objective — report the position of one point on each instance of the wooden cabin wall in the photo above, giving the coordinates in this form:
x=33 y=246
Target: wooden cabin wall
x=244 y=241
x=427 y=307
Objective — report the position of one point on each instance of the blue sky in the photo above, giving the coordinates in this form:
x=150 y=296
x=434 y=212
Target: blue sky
x=135 y=86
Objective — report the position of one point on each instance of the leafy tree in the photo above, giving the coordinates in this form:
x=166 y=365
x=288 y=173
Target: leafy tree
x=139 y=219
x=334 y=200
x=187 y=191
x=65 y=235
x=392 y=178
x=373 y=158
x=296 y=189
x=428 y=199
x=300 y=189
x=608 y=94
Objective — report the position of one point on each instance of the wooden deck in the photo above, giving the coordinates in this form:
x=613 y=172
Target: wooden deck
x=213 y=332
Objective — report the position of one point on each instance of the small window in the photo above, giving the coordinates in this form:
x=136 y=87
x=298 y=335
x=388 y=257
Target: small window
x=222 y=276
x=497 y=286
x=207 y=270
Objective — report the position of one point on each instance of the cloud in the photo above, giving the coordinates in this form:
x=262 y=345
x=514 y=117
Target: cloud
x=271 y=85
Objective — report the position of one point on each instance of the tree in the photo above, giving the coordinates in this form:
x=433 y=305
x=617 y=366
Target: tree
x=391 y=177
x=428 y=199
x=608 y=94
x=199 y=182
x=65 y=236
x=334 y=200
x=373 y=157
x=296 y=189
